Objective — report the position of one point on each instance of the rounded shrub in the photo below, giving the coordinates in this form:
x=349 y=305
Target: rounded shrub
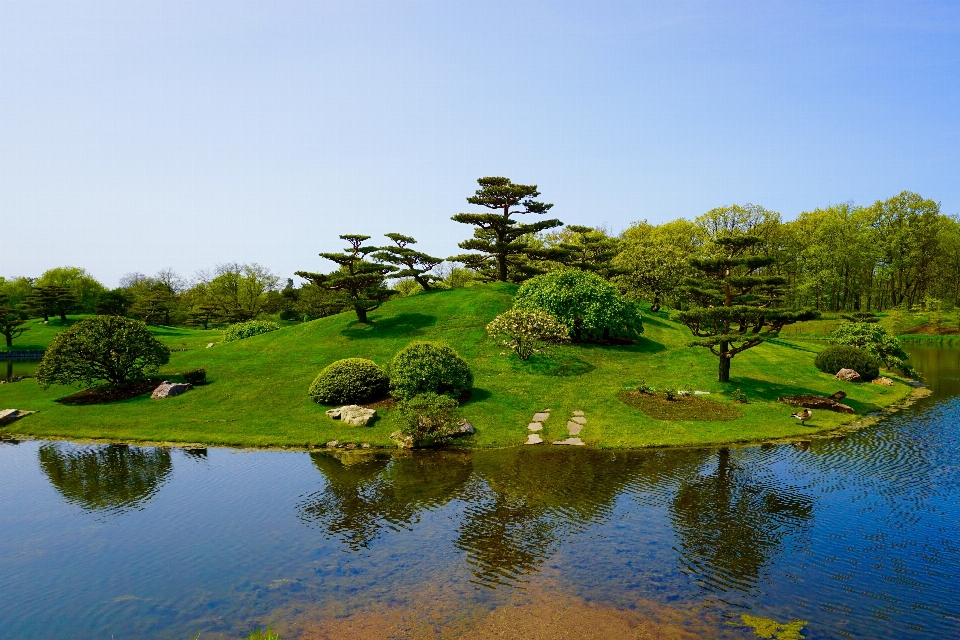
x=243 y=330
x=349 y=381
x=429 y=367
x=837 y=357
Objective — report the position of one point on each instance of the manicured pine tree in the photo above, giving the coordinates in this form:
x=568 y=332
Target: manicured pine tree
x=203 y=314
x=590 y=250
x=12 y=319
x=362 y=281
x=411 y=263
x=501 y=240
x=737 y=304
x=51 y=299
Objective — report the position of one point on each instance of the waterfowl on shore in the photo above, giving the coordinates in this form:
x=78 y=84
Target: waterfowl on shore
x=803 y=416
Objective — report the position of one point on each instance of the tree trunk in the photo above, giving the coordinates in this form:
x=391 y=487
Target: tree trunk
x=502 y=268
x=423 y=282
x=9 y=338
x=724 y=363
x=361 y=314
x=63 y=317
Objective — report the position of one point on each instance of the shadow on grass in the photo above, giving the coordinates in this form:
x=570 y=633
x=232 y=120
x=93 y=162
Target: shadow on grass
x=556 y=366
x=765 y=390
x=403 y=324
x=476 y=395
x=791 y=345
x=642 y=345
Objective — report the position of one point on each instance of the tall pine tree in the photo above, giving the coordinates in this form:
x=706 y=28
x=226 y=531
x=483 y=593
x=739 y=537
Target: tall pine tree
x=363 y=282
x=501 y=240
x=737 y=302
x=410 y=262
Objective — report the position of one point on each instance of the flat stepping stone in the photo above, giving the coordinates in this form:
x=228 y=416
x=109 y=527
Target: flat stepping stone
x=573 y=441
x=578 y=413
x=535 y=426
x=574 y=428
x=578 y=419
x=540 y=417
x=534 y=438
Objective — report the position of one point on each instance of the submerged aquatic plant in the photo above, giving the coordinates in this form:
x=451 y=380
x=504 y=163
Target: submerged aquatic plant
x=769 y=628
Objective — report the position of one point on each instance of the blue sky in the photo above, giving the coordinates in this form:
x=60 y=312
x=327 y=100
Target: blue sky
x=139 y=135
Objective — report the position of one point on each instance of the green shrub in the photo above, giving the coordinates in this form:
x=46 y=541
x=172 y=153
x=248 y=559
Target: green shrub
x=670 y=393
x=195 y=376
x=429 y=367
x=837 y=357
x=738 y=396
x=428 y=418
x=350 y=381
x=528 y=332
x=875 y=340
x=243 y=330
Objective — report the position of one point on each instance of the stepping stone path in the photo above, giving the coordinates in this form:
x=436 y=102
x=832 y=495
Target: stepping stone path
x=574 y=427
x=534 y=438
x=536 y=424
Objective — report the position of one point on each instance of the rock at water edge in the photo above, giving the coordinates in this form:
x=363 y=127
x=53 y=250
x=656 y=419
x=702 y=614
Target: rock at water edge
x=573 y=441
x=465 y=428
x=883 y=382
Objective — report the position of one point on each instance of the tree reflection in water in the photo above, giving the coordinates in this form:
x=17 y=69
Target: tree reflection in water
x=110 y=478
x=367 y=492
x=733 y=521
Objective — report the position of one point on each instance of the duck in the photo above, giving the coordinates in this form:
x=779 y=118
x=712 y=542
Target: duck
x=802 y=416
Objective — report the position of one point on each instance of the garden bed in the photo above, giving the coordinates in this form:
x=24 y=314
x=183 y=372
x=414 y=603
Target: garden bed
x=108 y=393
x=684 y=408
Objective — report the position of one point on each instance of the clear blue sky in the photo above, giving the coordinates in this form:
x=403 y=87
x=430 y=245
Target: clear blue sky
x=138 y=135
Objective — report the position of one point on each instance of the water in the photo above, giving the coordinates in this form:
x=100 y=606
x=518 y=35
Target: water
x=857 y=536
x=11 y=370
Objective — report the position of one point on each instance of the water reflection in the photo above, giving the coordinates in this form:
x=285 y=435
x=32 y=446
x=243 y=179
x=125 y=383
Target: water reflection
x=732 y=522
x=366 y=493
x=112 y=477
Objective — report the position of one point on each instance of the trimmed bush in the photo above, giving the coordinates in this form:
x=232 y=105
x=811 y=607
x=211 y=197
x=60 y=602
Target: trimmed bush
x=428 y=418
x=837 y=357
x=350 y=381
x=429 y=367
x=244 y=330
x=195 y=376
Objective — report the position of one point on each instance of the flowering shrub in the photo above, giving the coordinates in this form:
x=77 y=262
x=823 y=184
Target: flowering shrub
x=243 y=330
x=528 y=332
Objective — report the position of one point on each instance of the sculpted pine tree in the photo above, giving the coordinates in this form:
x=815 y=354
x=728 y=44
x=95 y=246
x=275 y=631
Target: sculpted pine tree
x=738 y=305
x=12 y=319
x=360 y=280
x=51 y=300
x=501 y=240
x=588 y=249
x=411 y=263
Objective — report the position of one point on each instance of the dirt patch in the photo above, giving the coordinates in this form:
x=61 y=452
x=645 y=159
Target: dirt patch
x=109 y=393
x=930 y=329
x=692 y=408
x=816 y=402
x=383 y=403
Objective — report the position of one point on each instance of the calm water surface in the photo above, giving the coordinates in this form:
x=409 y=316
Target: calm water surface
x=857 y=536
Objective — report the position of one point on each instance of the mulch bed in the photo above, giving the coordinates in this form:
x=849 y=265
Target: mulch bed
x=682 y=408
x=108 y=393
x=388 y=402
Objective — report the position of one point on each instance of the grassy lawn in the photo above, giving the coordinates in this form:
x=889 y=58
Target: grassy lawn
x=257 y=391
x=39 y=335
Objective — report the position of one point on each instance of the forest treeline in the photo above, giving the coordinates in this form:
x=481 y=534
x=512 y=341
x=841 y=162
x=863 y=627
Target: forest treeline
x=902 y=252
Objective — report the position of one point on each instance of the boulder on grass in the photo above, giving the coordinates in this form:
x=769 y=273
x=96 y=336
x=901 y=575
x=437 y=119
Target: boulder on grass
x=848 y=375
x=463 y=429
x=883 y=382
x=353 y=414
x=169 y=389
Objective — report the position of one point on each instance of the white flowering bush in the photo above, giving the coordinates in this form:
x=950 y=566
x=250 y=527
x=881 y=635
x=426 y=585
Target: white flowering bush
x=528 y=332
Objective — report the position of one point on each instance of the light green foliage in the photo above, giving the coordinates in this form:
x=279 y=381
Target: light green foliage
x=768 y=628
x=837 y=357
x=84 y=287
x=407 y=287
x=244 y=330
x=588 y=305
x=238 y=291
x=259 y=634
x=428 y=418
x=429 y=367
x=653 y=260
x=737 y=395
x=350 y=381
x=875 y=340
x=528 y=332
x=460 y=277
x=102 y=348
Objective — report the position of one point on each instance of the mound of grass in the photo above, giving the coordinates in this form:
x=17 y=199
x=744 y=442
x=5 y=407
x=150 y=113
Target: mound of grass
x=691 y=408
x=256 y=396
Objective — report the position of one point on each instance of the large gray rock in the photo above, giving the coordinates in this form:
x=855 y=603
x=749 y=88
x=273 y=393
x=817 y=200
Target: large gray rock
x=465 y=428
x=8 y=415
x=402 y=441
x=169 y=389
x=848 y=375
x=353 y=414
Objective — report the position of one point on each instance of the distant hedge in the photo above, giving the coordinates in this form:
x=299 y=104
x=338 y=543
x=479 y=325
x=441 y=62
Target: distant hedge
x=350 y=381
x=243 y=330
x=837 y=357
x=429 y=367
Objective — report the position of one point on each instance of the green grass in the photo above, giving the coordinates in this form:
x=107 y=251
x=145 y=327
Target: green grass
x=257 y=394
x=39 y=335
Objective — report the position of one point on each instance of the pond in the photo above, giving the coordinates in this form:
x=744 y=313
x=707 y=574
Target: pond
x=854 y=536
x=12 y=370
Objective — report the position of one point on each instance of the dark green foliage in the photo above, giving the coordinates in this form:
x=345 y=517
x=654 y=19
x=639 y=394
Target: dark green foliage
x=429 y=367
x=362 y=282
x=411 y=264
x=244 y=330
x=837 y=357
x=350 y=381
x=738 y=300
x=155 y=305
x=52 y=300
x=738 y=395
x=591 y=307
x=12 y=319
x=196 y=377
x=102 y=348
x=589 y=249
x=428 y=418
x=203 y=315
x=504 y=252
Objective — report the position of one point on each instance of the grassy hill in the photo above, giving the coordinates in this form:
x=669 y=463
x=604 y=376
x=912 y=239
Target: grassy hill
x=257 y=391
